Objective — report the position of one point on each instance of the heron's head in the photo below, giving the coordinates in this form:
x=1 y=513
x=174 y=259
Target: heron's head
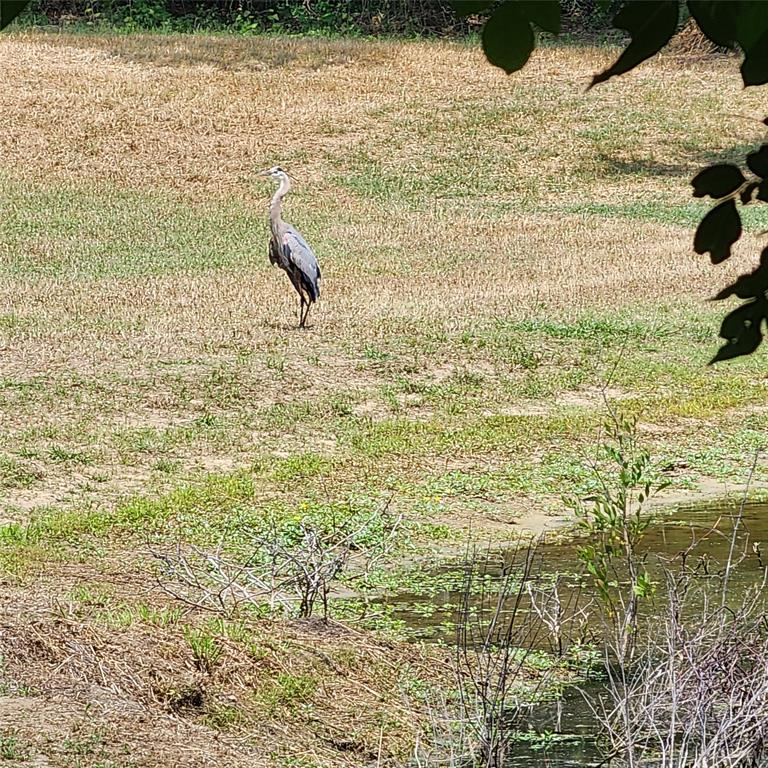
x=275 y=172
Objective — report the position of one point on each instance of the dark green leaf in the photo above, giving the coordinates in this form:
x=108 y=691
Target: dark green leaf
x=762 y=192
x=741 y=329
x=746 y=316
x=508 y=38
x=468 y=7
x=758 y=162
x=651 y=24
x=751 y=21
x=718 y=231
x=717 y=181
x=715 y=19
x=543 y=13
x=9 y=10
x=754 y=68
x=749 y=286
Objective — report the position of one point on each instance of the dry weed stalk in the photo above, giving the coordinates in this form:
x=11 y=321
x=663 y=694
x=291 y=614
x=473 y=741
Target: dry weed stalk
x=494 y=636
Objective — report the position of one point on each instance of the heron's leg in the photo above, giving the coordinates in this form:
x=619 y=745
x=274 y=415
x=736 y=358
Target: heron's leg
x=303 y=312
x=306 y=312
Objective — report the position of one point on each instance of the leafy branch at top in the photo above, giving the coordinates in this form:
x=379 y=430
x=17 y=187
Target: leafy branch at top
x=717 y=233
x=508 y=35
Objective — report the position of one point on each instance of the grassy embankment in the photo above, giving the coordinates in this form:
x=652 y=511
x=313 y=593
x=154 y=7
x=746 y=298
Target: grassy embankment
x=496 y=253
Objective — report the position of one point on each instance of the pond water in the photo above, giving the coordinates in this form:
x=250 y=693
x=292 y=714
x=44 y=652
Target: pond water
x=429 y=610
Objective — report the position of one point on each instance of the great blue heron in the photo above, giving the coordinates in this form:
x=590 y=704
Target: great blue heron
x=290 y=251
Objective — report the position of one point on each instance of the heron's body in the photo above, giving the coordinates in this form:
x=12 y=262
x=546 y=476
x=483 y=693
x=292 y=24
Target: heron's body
x=291 y=252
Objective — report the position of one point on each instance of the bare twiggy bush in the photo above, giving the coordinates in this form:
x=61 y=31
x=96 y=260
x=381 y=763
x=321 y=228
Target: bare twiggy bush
x=278 y=573
x=509 y=609
x=493 y=640
x=562 y=610
x=697 y=694
x=449 y=740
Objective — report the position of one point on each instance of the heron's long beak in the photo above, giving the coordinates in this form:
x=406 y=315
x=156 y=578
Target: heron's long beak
x=263 y=173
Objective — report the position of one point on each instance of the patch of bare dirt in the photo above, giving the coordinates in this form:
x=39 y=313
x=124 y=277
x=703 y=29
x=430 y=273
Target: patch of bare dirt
x=593 y=397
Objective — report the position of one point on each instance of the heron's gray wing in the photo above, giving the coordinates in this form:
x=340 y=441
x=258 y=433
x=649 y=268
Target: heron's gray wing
x=302 y=256
x=274 y=255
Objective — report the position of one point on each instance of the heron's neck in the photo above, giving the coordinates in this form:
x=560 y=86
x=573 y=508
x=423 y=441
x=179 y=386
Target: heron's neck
x=276 y=206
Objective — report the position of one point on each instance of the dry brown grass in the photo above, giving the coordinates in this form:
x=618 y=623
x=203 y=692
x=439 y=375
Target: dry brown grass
x=188 y=119
x=198 y=113
x=78 y=688
x=144 y=340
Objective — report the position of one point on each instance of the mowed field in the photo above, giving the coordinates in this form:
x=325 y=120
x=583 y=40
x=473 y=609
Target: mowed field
x=500 y=255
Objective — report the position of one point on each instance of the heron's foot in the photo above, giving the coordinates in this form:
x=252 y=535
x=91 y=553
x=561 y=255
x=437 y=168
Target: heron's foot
x=305 y=305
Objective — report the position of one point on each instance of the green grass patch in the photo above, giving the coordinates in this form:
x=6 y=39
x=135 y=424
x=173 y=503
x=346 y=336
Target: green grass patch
x=287 y=692
x=15 y=473
x=688 y=215
x=106 y=231
x=190 y=505
x=478 y=435
x=13 y=748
